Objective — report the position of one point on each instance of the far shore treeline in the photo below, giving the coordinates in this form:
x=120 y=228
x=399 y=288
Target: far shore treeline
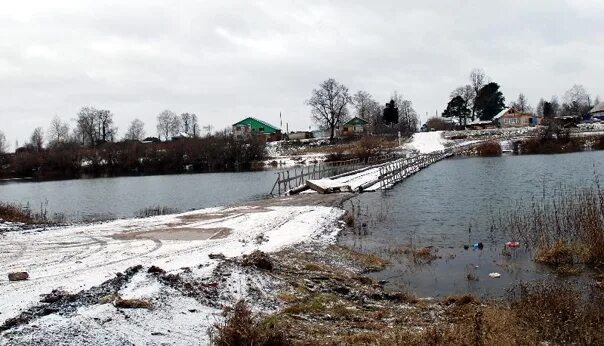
x=90 y=145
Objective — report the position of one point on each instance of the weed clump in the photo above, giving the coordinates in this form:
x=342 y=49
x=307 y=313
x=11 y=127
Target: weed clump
x=559 y=253
x=156 y=210
x=567 y=228
x=240 y=327
x=13 y=213
x=259 y=260
x=461 y=300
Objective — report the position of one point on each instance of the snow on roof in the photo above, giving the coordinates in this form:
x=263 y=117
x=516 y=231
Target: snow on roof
x=484 y=122
x=500 y=114
x=599 y=108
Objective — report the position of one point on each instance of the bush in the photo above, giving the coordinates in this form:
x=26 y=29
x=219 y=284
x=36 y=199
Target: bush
x=13 y=213
x=553 y=140
x=491 y=148
x=367 y=147
x=598 y=143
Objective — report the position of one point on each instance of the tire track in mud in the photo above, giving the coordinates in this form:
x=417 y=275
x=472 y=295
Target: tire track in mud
x=18 y=254
x=157 y=246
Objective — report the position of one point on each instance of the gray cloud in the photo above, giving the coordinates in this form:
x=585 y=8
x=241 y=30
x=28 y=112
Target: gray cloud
x=227 y=59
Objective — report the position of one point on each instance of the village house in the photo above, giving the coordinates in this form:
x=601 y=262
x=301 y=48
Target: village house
x=256 y=127
x=508 y=117
x=512 y=118
x=354 y=127
x=597 y=113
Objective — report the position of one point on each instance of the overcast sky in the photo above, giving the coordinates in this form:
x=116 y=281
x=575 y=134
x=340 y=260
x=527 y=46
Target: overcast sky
x=225 y=60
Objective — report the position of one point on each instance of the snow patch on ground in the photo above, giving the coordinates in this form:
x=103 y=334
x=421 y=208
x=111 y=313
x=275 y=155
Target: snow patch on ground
x=79 y=257
x=427 y=142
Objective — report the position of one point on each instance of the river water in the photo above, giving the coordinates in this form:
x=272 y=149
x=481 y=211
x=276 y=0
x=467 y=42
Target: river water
x=453 y=203
x=446 y=206
x=110 y=198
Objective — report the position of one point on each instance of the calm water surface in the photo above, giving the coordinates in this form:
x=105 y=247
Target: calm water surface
x=108 y=198
x=451 y=204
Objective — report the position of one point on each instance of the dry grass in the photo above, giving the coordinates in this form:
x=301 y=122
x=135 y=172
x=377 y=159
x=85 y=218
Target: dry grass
x=461 y=300
x=12 y=213
x=317 y=312
x=155 y=211
x=564 y=229
x=348 y=219
x=132 y=303
x=534 y=314
x=242 y=328
x=559 y=253
x=370 y=262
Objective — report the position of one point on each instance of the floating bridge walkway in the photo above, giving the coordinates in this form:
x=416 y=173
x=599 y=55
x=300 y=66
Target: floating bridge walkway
x=358 y=176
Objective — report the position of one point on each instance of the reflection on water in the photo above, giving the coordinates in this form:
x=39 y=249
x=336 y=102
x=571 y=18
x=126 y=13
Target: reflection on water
x=108 y=198
x=452 y=204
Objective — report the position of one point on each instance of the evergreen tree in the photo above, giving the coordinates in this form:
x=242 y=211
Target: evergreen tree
x=548 y=110
x=489 y=101
x=457 y=107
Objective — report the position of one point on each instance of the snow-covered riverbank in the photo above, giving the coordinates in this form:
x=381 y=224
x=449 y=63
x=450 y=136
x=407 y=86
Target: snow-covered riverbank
x=78 y=258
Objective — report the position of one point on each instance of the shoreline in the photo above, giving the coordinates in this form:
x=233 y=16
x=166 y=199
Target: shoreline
x=76 y=260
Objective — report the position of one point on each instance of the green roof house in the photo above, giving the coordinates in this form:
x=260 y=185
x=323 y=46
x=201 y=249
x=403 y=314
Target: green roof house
x=256 y=127
x=355 y=126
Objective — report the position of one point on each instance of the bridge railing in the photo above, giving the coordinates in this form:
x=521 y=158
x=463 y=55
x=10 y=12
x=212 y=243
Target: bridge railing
x=295 y=177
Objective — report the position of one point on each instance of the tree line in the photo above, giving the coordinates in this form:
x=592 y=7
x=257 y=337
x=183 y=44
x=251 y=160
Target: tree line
x=91 y=148
x=332 y=105
x=96 y=126
x=482 y=99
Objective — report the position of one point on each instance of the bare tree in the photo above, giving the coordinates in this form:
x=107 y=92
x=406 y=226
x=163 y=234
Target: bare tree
x=3 y=144
x=521 y=105
x=478 y=79
x=408 y=120
x=175 y=126
x=185 y=120
x=37 y=139
x=540 y=106
x=208 y=129
x=168 y=124
x=364 y=104
x=95 y=126
x=58 y=132
x=577 y=102
x=194 y=126
x=578 y=95
x=467 y=93
x=136 y=131
x=106 y=129
x=329 y=105
x=87 y=126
